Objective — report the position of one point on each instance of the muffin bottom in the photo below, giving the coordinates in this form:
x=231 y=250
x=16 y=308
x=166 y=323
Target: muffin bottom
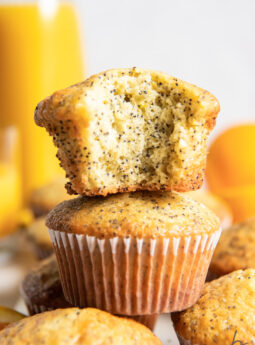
x=131 y=276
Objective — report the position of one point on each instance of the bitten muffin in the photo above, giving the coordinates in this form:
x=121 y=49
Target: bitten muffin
x=216 y=204
x=47 y=197
x=8 y=316
x=42 y=291
x=130 y=129
x=133 y=253
x=223 y=315
x=235 y=250
x=79 y=327
x=39 y=237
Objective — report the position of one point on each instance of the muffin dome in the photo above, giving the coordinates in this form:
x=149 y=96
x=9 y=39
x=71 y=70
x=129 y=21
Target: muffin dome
x=235 y=249
x=77 y=327
x=226 y=306
x=140 y=214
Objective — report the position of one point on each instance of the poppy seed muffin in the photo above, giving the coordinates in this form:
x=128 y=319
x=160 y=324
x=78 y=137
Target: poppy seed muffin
x=47 y=197
x=41 y=288
x=130 y=129
x=39 y=237
x=133 y=253
x=79 y=327
x=216 y=204
x=42 y=291
x=224 y=314
x=235 y=250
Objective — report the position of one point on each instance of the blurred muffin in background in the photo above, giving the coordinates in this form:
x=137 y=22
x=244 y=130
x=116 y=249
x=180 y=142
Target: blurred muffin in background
x=42 y=291
x=77 y=326
x=223 y=315
x=230 y=169
x=49 y=196
x=39 y=238
x=235 y=249
x=41 y=288
x=216 y=204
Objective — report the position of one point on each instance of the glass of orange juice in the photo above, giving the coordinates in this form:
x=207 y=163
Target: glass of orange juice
x=41 y=52
x=10 y=183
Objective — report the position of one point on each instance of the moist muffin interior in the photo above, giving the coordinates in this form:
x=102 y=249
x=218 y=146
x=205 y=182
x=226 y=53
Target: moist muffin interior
x=141 y=121
x=130 y=129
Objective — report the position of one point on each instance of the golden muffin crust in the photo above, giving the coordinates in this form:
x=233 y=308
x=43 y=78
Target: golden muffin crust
x=48 y=196
x=226 y=306
x=38 y=232
x=130 y=129
x=214 y=203
x=77 y=327
x=140 y=214
x=235 y=249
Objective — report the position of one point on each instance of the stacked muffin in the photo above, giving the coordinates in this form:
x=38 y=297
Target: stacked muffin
x=130 y=140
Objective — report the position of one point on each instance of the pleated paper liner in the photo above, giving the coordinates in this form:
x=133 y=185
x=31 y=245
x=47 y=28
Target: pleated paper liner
x=131 y=276
x=147 y=320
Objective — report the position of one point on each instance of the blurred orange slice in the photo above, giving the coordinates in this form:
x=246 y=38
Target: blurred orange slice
x=8 y=316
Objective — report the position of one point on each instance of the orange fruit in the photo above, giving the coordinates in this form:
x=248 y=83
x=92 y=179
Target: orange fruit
x=241 y=200
x=230 y=169
x=231 y=158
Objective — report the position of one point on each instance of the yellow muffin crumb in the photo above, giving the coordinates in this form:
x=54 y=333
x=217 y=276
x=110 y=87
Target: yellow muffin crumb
x=130 y=129
x=77 y=327
x=224 y=312
x=140 y=214
x=235 y=249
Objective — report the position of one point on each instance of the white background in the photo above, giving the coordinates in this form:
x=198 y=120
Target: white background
x=208 y=43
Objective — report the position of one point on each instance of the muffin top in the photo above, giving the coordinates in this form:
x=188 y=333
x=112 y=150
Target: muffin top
x=42 y=285
x=39 y=232
x=140 y=214
x=235 y=249
x=226 y=306
x=214 y=203
x=77 y=327
x=48 y=196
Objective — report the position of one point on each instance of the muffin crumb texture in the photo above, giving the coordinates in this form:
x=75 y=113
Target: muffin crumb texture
x=130 y=129
x=77 y=327
x=226 y=306
x=139 y=214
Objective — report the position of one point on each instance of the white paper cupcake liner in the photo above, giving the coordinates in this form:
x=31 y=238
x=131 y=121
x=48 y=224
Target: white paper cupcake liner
x=131 y=276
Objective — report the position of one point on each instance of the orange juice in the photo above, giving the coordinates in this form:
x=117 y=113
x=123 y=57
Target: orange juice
x=9 y=198
x=40 y=52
